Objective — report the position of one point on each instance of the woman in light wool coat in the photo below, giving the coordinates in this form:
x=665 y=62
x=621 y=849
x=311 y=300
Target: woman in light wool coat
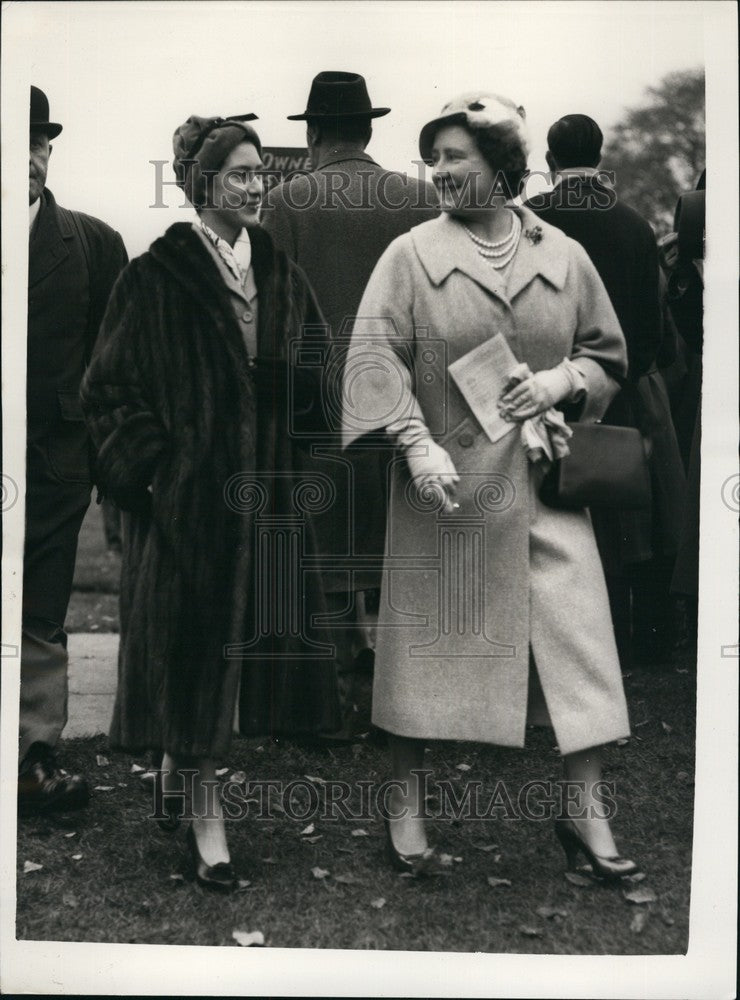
x=494 y=610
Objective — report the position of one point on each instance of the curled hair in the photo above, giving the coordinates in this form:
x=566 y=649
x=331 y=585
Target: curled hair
x=501 y=147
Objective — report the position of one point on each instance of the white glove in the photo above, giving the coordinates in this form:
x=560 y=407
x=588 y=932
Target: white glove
x=541 y=391
x=430 y=466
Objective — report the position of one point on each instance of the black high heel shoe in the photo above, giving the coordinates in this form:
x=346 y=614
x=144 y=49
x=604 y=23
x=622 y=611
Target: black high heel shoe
x=609 y=869
x=220 y=876
x=425 y=864
x=171 y=807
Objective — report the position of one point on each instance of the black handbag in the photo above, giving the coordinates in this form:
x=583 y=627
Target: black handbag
x=607 y=467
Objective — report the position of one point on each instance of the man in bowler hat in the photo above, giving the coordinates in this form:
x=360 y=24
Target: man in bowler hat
x=335 y=223
x=74 y=261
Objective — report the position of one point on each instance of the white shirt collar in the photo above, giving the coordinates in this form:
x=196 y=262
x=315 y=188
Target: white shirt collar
x=33 y=211
x=582 y=172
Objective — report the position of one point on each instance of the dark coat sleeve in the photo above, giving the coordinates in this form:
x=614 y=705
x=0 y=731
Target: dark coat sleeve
x=118 y=403
x=644 y=344
x=108 y=258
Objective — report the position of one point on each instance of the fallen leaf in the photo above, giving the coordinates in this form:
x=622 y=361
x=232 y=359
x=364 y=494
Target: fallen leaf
x=239 y=777
x=221 y=771
x=268 y=861
x=529 y=931
x=243 y=883
x=496 y=882
x=643 y=723
x=445 y=859
x=679 y=670
x=307 y=831
x=347 y=880
x=462 y=767
x=582 y=881
x=259 y=749
x=137 y=769
x=622 y=743
x=177 y=877
x=72 y=834
x=346 y=850
x=360 y=833
x=103 y=788
x=634 y=879
x=77 y=857
x=312 y=840
x=377 y=904
x=666 y=727
x=548 y=912
x=122 y=784
x=69 y=900
x=101 y=761
x=638 y=921
x=249 y=939
x=640 y=896
x=486 y=848
x=316 y=781
x=457 y=860
x=31 y=866
x=319 y=872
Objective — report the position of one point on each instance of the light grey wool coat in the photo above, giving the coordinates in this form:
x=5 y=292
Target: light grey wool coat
x=466 y=595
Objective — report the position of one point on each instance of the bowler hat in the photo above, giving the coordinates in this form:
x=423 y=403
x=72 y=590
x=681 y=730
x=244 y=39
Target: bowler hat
x=339 y=95
x=40 y=114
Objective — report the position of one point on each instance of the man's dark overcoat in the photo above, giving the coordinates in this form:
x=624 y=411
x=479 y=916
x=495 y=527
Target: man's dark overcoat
x=622 y=246
x=171 y=403
x=336 y=223
x=74 y=261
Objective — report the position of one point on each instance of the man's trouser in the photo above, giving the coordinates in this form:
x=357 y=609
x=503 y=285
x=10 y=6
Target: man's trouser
x=353 y=626
x=53 y=521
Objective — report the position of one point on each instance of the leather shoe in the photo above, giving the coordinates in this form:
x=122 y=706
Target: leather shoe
x=43 y=787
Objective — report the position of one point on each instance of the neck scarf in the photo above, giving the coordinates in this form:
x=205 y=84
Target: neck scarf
x=238 y=258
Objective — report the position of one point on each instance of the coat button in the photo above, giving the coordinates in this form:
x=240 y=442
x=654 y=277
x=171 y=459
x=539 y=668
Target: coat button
x=247 y=315
x=465 y=440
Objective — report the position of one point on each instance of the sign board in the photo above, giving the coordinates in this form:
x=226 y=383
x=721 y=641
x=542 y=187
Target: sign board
x=282 y=162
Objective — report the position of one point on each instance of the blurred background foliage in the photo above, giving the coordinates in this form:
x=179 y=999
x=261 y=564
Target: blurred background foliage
x=657 y=151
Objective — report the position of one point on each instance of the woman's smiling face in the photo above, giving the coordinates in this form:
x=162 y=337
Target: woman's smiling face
x=463 y=178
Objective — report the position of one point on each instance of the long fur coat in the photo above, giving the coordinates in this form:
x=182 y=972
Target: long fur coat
x=170 y=402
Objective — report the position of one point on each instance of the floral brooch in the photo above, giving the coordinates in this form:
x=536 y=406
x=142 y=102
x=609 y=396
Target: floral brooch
x=534 y=235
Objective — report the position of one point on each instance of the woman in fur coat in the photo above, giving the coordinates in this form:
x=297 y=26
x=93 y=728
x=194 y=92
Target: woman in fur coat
x=197 y=411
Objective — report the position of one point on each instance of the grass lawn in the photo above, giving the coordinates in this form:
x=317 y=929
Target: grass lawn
x=107 y=872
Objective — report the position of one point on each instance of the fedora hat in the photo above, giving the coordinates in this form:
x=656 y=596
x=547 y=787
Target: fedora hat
x=339 y=95
x=40 y=114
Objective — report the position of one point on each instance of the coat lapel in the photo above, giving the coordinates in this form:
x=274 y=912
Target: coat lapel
x=49 y=242
x=443 y=246
x=542 y=251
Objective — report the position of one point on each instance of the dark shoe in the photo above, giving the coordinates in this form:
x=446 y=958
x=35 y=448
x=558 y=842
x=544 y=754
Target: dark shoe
x=608 y=869
x=422 y=865
x=43 y=787
x=220 y=876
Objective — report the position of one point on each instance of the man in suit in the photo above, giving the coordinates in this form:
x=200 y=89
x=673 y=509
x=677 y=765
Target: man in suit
x=637 y=548
x=73 y=263
x=335 y=223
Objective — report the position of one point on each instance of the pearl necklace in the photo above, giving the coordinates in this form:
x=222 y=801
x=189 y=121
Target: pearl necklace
x=499 y=254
